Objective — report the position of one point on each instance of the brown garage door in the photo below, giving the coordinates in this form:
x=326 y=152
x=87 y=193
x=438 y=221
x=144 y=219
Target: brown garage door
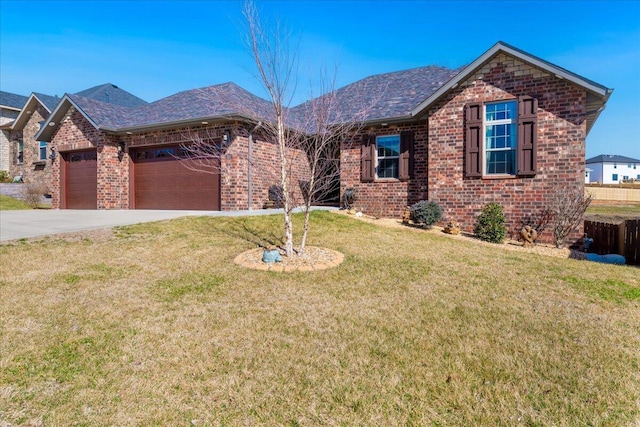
x=81 y=180
x=161 y=181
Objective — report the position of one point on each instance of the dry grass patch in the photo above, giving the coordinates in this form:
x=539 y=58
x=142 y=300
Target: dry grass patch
x=155 y=325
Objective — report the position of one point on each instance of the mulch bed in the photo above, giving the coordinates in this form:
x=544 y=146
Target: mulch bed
x=313 y=259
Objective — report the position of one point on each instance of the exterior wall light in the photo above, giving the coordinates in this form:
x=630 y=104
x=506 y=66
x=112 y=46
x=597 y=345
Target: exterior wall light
x=121 y=147
x=52 y=154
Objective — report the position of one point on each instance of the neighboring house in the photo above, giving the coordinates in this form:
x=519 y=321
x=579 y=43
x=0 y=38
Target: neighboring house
x=115 y=157
x=10 y=106
x=587 y=175
x=30 y=156
x=508 y=128
x=613 y=169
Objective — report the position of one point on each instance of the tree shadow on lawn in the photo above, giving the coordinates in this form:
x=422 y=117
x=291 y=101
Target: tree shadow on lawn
x=259 y=234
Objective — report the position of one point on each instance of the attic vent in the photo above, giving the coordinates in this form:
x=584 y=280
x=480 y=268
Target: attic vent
x=114 y=86
x=106 y=97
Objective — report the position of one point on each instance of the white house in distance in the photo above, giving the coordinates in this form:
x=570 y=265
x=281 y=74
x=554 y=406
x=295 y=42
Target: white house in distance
x=612 y=169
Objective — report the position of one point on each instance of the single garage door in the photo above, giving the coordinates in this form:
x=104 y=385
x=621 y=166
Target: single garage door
x=162 y=181
x=81 y=180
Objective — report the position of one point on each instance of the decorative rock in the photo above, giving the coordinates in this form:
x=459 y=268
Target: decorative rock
x=271 y=256
x=529 y=235
x=452 y=227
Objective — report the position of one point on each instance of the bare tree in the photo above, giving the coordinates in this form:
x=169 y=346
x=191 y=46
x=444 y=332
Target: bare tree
x=327 y=124
x=312 y=130
x=275 y=65
x=568 y=208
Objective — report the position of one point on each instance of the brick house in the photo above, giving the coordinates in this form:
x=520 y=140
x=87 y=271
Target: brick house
x=10 y=107
x=117 y=157
x=30 y=157
x=508 y=128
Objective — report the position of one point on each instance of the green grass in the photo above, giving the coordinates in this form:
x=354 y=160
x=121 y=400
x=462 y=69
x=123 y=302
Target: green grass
x=156 y=326
x=619 y=211
x=10 y=204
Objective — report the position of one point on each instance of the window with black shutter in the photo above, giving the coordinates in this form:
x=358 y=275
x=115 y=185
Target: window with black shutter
x=501 y=138
x=367 y=158
x=527 y=135
x=406 y=156
x=473 y=140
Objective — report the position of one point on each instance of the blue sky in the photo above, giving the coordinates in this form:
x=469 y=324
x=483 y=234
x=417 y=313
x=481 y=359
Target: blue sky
x=154 y=49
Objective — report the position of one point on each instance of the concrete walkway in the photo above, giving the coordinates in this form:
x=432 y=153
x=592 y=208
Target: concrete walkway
x=41 y=222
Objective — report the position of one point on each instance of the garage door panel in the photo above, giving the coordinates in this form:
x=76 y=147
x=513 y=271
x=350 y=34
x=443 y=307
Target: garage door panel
x=81 y=180
x=166 y=183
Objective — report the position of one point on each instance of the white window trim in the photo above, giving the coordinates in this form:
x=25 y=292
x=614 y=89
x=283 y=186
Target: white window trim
x=377 y=158
x=485 y=124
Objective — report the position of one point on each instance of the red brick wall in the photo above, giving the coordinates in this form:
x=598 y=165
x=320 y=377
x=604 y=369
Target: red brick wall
x=75 y=133
x=439 y=156
x=32 y=169
x=113 y=175
x=387 y=197
x=265 y=171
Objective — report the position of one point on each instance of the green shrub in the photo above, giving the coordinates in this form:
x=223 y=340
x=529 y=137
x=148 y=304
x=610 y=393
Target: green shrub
x=490 y=225
x=425 y=213
x=4 y=177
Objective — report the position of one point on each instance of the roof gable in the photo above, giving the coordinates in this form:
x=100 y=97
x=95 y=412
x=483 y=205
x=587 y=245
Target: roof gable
x=54 y=119
x=48 y=101
x=35 y=99
x=598 y=94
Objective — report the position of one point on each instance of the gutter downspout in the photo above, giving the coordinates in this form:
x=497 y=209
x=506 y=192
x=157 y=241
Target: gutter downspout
x=250 y=167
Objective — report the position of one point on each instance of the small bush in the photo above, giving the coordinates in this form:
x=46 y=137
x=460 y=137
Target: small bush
x=4 y=177
x=425 y=213
x=33 y=194
x=490 y=225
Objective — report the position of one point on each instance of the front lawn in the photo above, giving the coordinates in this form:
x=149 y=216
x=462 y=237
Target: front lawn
x=155 y=326
x=10 y=204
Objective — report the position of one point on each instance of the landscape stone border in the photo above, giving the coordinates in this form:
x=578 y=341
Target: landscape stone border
x=253 y=259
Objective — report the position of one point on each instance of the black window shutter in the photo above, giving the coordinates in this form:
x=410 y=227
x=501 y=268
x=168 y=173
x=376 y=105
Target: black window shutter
x=473 y=140
x=367 y=156
x=527 y=135
x=406 y=156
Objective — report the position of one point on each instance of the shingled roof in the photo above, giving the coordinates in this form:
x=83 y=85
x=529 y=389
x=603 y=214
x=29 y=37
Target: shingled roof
x=387 y=96
x=48 y=101
x=611 y=158
x=397 y=96
x=112 y=94
x=12 y=100
x=227 y=99
x=101 y=114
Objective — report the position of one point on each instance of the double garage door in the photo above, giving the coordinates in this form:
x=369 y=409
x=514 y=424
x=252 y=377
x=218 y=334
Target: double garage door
x=160 y=180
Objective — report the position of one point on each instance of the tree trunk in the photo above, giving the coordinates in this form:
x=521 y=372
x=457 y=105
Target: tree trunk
x=284 y=181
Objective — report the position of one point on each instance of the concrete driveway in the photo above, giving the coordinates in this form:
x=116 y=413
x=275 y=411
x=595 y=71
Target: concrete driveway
x=41 y=222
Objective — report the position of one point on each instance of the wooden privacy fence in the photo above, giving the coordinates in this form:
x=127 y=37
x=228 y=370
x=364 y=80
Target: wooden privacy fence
x=623 y=239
